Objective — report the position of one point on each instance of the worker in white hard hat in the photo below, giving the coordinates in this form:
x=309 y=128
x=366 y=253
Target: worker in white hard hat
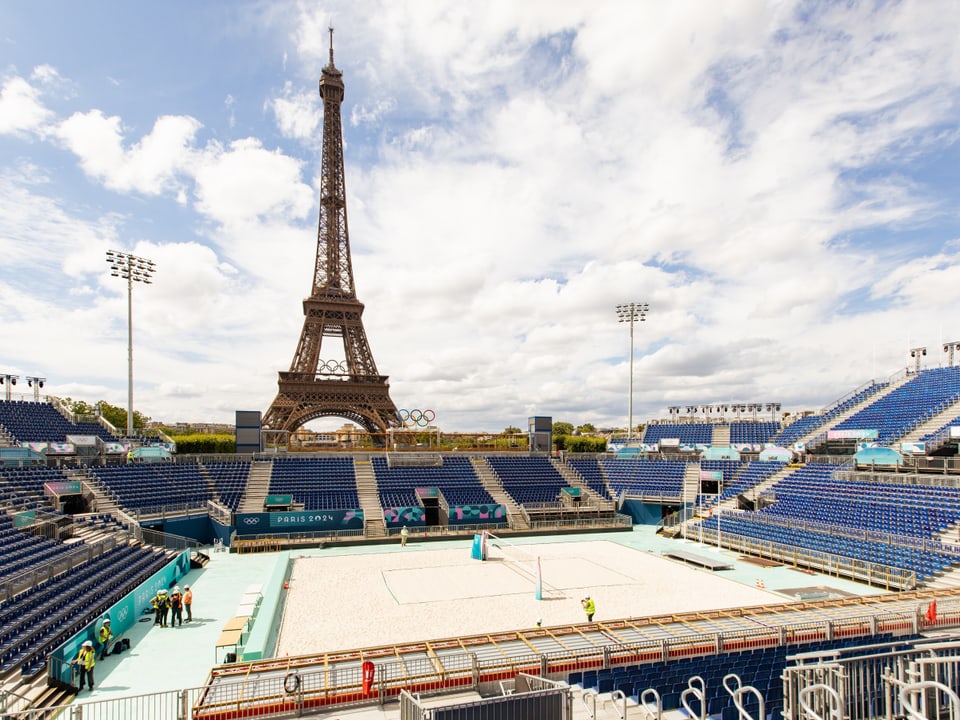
x=105 y=636
x=86 y=659
x=161 y=606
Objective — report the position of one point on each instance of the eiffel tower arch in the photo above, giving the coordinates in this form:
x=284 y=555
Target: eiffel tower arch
x=351 y=388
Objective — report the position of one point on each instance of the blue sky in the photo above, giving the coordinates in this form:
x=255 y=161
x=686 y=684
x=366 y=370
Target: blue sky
x=779 y=181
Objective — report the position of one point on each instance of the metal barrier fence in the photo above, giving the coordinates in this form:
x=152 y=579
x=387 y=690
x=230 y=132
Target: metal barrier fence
x=885 y=576
x=532 y=698
x=889 y=680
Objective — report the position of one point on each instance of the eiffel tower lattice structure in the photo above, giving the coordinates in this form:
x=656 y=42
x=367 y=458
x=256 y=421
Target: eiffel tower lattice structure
x=351 y=388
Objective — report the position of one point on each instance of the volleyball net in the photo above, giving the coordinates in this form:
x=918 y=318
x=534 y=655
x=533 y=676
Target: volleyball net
x=520 y=561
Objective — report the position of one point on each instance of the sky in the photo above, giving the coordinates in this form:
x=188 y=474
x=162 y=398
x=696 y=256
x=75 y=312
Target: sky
x=778 y=181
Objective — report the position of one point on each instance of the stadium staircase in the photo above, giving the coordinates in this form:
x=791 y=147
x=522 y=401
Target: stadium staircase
x=933 y=424
x=258 y=487
x=947 y=579
x=721 y=436
x=103 y=501
x=691 y=482
x=818 y=435
x=574 y=480
x=373 y=524
x=731 y=503
x=488 y=479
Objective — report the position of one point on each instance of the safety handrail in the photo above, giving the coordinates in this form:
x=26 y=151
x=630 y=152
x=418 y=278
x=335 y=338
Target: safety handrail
x=645 y=701
x=836 y=704
x=697 y=688
x=911 y=692
x=589 y=700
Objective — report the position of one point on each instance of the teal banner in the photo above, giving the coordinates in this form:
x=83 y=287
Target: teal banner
x=305 y=521
x=396 y=516
x=278 y=500
x=477 y=514
x=62 y=488
x=22 y=519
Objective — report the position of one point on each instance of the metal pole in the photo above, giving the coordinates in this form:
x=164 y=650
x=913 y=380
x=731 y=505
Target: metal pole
x=630 y=400
x=631 y=312
x=129 y=351
x=132 y=269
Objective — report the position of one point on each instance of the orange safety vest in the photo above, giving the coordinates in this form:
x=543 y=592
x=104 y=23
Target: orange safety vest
x=188 y=597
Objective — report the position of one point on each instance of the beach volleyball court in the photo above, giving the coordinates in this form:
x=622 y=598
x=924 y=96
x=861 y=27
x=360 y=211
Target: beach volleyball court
x=427 y=591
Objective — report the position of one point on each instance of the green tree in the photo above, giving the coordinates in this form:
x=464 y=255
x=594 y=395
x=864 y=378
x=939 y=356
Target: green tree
x=511 y=430
x=562 y=428
x=587 y=428
x=117 y=416
x=79 y=407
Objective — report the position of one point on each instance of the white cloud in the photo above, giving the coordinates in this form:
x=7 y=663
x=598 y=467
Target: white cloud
x=149 y=166
x=245 y=181
x=298 y=115
x=21 y=110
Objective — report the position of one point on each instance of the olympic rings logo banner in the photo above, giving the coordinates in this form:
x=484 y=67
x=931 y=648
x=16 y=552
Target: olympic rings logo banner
x=416 y=417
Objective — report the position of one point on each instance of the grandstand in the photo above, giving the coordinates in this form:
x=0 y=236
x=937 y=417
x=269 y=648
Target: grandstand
x=74 y=520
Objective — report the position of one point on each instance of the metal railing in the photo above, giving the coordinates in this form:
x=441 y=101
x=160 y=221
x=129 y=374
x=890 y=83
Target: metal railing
x=16 y=584
x=876 y=574
x=889 y=680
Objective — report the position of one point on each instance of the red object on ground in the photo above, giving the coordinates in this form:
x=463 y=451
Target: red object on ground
x=368 y=672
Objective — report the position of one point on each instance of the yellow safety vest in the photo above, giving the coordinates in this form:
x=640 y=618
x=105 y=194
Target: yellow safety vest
x=87 y=658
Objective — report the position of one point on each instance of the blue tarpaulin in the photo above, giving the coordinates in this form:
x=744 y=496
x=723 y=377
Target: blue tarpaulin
x=878 y=456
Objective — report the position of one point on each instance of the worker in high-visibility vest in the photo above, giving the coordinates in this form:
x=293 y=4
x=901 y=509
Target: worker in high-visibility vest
x=106 y=635
x=589 y=607
x=86 y=659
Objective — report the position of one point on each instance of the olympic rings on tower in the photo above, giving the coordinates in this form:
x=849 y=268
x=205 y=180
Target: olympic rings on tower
x=416 y=417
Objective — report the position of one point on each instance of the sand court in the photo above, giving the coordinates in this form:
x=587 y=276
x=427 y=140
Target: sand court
x=430 y=592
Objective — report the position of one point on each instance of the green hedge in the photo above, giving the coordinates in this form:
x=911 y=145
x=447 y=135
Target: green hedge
x=581 y=443
x=201 y=444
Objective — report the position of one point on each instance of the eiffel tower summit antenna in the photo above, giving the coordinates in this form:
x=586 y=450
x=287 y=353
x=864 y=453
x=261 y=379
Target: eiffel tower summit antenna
x=313 y=387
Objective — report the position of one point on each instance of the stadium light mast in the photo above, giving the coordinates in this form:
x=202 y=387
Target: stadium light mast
x=36 y=383
x=631 y=313
x=132 y=269
x=8 y=381
x=950 y=348
x=917 y=353
x=773 y=409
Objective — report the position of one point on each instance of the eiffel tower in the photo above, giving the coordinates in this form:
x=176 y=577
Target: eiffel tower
x=351 y=388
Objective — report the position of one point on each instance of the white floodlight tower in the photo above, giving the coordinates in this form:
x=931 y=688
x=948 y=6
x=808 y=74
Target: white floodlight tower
x=917 y=353
x=631 y=313
x=8 y=381
x=132 y=269
x=36 y=383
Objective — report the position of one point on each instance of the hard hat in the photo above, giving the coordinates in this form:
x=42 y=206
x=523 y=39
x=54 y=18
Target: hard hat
x=106 y=621
x=177 y=589
x=87 y=643
x=186 y=587
x=162 y=591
